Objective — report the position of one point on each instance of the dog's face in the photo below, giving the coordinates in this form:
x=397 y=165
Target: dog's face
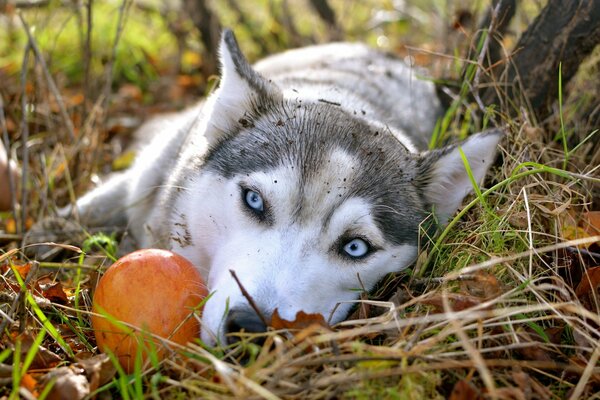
x=305 y=203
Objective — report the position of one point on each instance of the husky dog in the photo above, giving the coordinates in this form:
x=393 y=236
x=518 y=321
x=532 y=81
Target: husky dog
x=307 y=175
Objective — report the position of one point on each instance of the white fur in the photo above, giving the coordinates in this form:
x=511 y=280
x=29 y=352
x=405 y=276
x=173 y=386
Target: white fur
x=450 y=181
x=290 y=266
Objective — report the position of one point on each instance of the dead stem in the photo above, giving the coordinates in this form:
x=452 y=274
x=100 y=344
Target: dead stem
x=55 y=92
x=249 y=298
x=24 y=140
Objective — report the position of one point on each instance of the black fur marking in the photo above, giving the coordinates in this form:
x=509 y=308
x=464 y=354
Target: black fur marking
x=303 y=145
x=256 y=81
x=333 y=103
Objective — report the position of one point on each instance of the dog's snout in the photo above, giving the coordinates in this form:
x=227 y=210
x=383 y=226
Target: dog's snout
x=243 y=320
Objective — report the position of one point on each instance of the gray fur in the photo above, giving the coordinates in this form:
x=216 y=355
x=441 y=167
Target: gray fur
x=340 y=132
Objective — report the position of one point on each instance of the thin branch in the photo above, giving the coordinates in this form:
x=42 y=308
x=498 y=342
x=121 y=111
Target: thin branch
x=24 y=137
x=125 y=5
x=249 y=298
x=87 y=58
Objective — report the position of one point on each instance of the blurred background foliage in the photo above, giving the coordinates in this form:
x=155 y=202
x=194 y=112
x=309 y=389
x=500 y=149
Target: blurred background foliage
x=161 y=40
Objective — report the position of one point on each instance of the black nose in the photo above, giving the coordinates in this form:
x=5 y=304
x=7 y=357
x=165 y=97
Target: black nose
x=242 y=320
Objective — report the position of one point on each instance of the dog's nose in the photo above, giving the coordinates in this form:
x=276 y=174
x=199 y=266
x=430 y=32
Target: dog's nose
x=243 y=320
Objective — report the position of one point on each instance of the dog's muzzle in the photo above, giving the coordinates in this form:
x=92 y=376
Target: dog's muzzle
x=242 y=320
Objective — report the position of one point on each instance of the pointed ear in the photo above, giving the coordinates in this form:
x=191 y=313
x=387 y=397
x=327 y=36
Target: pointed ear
x=241 y=90
x=443 y=178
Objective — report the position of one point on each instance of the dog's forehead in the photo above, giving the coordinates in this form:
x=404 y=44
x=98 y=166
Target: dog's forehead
x=305 y=198
x=332 y=156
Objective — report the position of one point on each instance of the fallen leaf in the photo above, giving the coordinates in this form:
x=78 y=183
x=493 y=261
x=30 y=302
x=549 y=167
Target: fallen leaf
x=580 y=226
x=55 y=293
x=591 y=222
x=22 y=270
x=555 y=334
x=10 y=225
x=457 y=302
x=463 y=390
x=130 y=92
x=303 y=320
x=536 y=350
x=99 y=370
x=76 y=99
x=29 y=383
x=43 y=357
x=482 y=285
x=69 y=383
x=587 y=290
x=523 y=381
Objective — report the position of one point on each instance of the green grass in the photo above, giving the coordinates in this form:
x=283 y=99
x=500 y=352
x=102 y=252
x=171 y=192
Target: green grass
x=144 y=46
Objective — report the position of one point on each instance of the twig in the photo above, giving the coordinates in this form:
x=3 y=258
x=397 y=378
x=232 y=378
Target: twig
x=51 y=84
x=482 y=53
x=111 y=62
x=363 y=306
x=249 y=298
x=103 y=99
x=11 y=180
x=24 y=138
x=87 y=56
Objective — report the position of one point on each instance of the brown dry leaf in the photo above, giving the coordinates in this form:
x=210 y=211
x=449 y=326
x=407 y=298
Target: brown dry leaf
x=69 y=383
x=457 y=302
x=586 y=291
x=482 y=285
x=130 y=91
x=523 y=381
x=10 y=225
x=463 y=390
x=188 y=81
x=22 y=270
x=536 y=351
x=55 y=293
x=43 y=358
x=582 y=226
x=29 y=383
x=303 y=320
x=99 y=370
x=555 y=334
x=591 y=223
x=590 y=280
x=75 y=99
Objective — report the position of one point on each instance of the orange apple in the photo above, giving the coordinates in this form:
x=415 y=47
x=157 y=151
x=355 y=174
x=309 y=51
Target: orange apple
x=155 y=291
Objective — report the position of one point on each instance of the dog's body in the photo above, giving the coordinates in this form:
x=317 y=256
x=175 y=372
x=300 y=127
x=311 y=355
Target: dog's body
x=306 y=180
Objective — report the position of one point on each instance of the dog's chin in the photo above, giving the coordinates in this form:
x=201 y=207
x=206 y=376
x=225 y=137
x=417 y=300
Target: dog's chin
x=212 y=331
x=210 y=338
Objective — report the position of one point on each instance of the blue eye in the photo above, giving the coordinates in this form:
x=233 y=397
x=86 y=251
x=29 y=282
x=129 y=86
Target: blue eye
x=254 y=200
x=357 y=248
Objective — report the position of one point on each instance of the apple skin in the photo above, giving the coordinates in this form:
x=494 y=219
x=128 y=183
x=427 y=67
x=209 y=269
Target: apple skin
x=154 y=290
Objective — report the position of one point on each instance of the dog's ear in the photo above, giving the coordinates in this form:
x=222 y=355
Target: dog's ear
x=240 y=93
x=443 y=178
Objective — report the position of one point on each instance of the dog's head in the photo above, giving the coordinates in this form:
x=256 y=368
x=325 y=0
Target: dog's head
x=306 y=203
